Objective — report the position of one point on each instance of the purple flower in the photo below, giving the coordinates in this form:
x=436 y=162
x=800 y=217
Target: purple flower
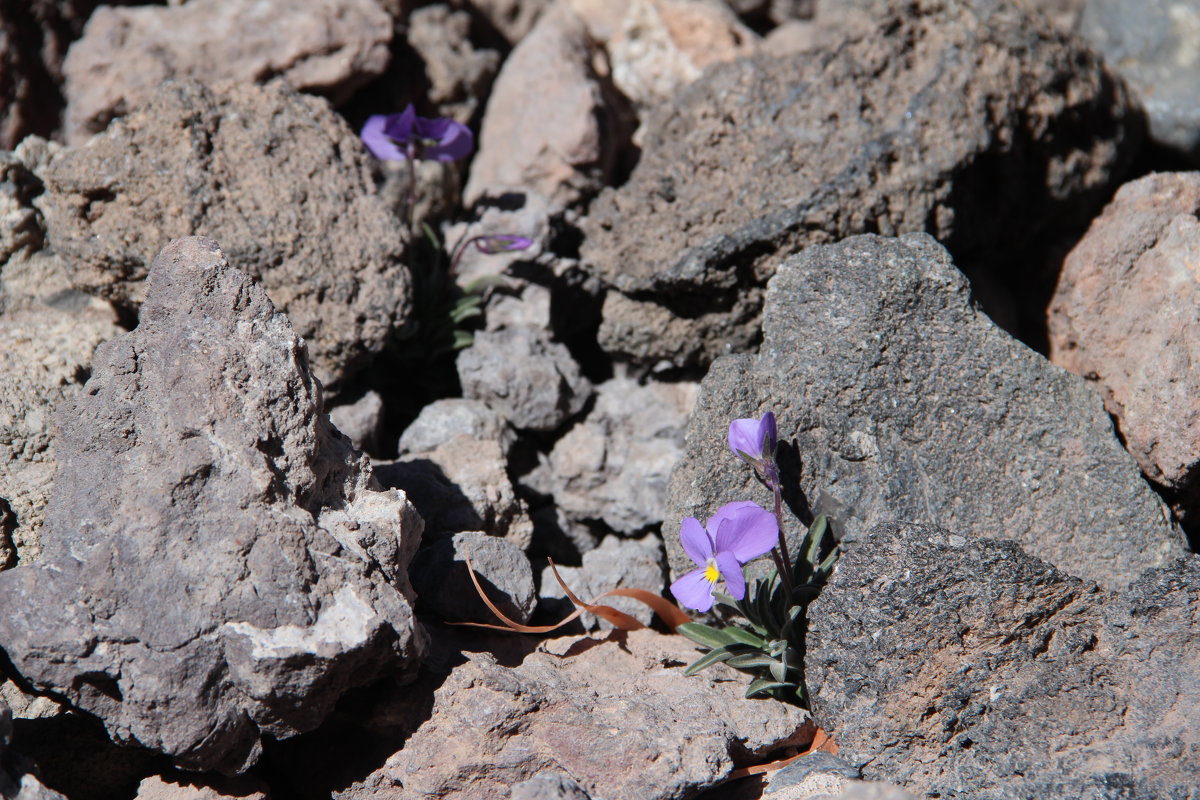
x=736 y=534
x=754 y=439
x=501 y=243
x=404 y=136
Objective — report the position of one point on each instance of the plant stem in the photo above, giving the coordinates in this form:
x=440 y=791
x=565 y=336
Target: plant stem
x=785 y=557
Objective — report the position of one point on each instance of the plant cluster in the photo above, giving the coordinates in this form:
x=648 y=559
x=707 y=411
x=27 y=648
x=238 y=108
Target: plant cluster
x=768 y=642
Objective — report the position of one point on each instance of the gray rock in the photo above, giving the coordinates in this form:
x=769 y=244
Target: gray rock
x=549 y=786
x=934 y=656
x=45 y=356
x=217 y=564
x=440 y=576
x=442 y=420
x=461 y=485
x=361 y=420
x=616 y=563
x=972 y=120
x=1155 y=46
x=17 y=778
x=900 y=399
x=276 y=176
x=533 y=382
x=327 y=46
x=614 y=465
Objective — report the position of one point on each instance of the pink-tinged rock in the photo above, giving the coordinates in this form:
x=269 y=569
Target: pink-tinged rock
x=512 y=18
x=656 y=47
x=330 y=47
x=1124 y=316
x=178 y=787
x=616 y=715
x=550 y=127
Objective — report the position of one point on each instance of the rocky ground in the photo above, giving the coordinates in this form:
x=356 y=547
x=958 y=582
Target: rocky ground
x=251 y=432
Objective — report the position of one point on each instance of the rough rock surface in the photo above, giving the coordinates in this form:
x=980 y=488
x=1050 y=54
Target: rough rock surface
x=275 y=176
x=17 y=779
x=614 y=465
x=361 y=420
x=45 y=356
x=902 y=400
x=935 y=656
x=459 y=75
x=461 y=485
x=216 y=565
x=656 y=47
x=1155 y=46
x=442 y=420
x=616 y=563
x=1124 y=316
x=175 y=787
x=972 y=120
x=440 y=576
x=571 y=150
x=616 y=715
x=326 y=46
x=533 y=382
x=513 y=19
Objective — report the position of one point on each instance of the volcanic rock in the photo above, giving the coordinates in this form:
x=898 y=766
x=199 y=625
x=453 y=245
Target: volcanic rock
x=217 y=563
x=897 y=398
x=274 y=175
x=972 y=120
x=330 y=47
x=1124 y=317
x=934 y=656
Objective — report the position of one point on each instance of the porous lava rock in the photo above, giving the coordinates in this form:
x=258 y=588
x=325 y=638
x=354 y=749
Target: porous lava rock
x=972 y=120
x=217 y=563
x=614 y=465
x=330 y=47
x=617 y=715
x=443 y=582
x=616 y=563
x=897 y=397
x=964 y=667
x=1124 y=316
x=276 y=176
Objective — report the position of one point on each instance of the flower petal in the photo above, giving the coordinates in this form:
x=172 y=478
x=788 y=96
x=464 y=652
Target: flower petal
x=731 y=571
x=454 y=142
x=753 y=439
x=694 y=591
x=728 y=511
x=695 y=540
x=402 y=127
x=381 y=145
x=747 y=532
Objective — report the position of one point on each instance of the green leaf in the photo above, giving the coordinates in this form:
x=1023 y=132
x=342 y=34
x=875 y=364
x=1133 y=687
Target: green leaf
x=464 y=312
x=779 y=670
x=706 y=635
x=431 y=236
x=745 y=637
x=710 y=658
x=764 y=686
x=462 y=339
x=814 y=538
x=752 y=661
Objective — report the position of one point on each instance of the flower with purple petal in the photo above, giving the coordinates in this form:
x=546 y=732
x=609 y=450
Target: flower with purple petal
x=501 y=243
x=754 y=440
x=736 y=534
x=405 y=136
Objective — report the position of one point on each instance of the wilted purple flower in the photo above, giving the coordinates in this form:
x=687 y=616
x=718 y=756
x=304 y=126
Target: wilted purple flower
x=405 y=136
x=736 y=534
x=754 y=439
x=501 y=243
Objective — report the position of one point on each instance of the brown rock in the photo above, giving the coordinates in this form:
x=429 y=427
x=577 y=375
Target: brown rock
x=177 y=787
x=616 y=714
x=274 y=175
x=556 y=135
x=326 y=46
x=512 y=18
x=459 y=75
x=1124 y=316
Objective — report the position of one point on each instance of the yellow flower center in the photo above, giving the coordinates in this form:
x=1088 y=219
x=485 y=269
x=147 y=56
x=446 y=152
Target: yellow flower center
x=711 y=573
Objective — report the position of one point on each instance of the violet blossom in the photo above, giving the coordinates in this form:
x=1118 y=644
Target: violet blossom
x=406 y=136
x=754 y=440
x=738 y=533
